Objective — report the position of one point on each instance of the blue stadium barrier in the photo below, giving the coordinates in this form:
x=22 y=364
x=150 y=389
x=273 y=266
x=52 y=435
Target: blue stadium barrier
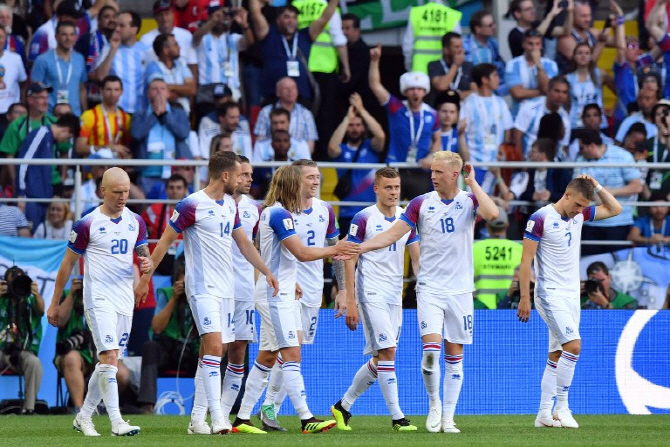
x=623 y=368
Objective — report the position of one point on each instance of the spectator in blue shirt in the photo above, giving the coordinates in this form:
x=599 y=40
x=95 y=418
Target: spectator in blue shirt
x=350 y=143
x=481 y=47
x=654 y=228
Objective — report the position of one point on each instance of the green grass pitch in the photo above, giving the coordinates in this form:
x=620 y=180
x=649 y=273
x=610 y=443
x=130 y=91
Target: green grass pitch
x=488 y=431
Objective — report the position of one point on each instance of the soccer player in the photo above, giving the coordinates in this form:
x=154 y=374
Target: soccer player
x=316 y=225
x=106 y=238
x=210 y=222
x=553 y=237
x=281 y=248
x=444 y=220
x=379 y=284
x=245 y=323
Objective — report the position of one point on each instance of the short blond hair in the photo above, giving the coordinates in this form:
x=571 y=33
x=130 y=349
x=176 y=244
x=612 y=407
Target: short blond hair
x=450 y=158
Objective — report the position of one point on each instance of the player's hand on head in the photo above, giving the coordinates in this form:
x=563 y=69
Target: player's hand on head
x=469 y=173
x=593 y=181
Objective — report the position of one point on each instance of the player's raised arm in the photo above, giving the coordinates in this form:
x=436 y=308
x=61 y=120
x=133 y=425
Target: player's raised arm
x=386 y=238
x=527 y=255
x=251 y=254
x=610 y=205
x=487 y=207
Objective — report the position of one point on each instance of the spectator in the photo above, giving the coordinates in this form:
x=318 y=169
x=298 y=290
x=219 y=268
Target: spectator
x=452 y=131
x=527 y=76
x=64 y=69
x=654 y=228
x=164 y=16
x=170 y=68
x=218 y=48
x=527 y=122
x=598 y=292
x=623 y=183
x=160 y=133
x=509 y=299
x=285 y=49
x=426 y=24
x=303 y=126
x=176 y=343
x=75 y=355
x=280 y=150
x=16 y=40
x=35 y=181
x=58 y=223
x=106 y=125
x=94 y=45
x=646 y=100
x=229 y=121
x=586 y=83
x=358 y=139
x=14 y=112
x=553 y=128
x=157 y=217
x=494 y=260
x=592 y=119
x=487 y=117
x=12 y=221
x=524 y=13
x=634 y=143
x=280 y=119
x=221 y=143
x=481 y=47
x=13 y=79
x=222 y=94
x=21 y=309
x=658 y=180
x=191 y=14
x=125 y=58
x=452 y=71
x=414 y=126
x=657 y=25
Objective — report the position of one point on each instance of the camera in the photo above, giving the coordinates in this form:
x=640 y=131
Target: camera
x=73 y=342
x=592 y=285
x=19 y=285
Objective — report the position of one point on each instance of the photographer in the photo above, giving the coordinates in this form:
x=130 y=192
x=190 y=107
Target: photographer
x=176 y=342
x=597 y=292
x=21 y=310
x=75 y=357
x=509 y=299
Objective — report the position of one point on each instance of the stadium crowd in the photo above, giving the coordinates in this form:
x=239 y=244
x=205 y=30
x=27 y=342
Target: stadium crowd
x=298 y=82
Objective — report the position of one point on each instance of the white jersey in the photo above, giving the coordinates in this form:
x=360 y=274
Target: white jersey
x=379 y=276
x=208 y=226
x=314 y=226
x=557 y=256
x=275 y=225
x=107 y=246
x=446 y=233
x=249 y=213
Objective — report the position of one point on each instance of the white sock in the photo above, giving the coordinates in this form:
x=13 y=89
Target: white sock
x=232 y=382
x=93 y=396
x=110 y=391
x=279 y=399
x=276 y=382
x=453 y=380
x=430 y=369
x=199 y=411
x=295 y=387
x=548 y=388
x=364 y=378
x=565 y=371
x=256 y=381
x=389 y=385
x=211 y=379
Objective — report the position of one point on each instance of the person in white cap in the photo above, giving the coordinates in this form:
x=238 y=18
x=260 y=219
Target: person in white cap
x=414 y=125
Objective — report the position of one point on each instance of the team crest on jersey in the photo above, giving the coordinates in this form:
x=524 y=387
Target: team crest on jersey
x=131 y=227
x=73 y=236
x=246 y=215
x=109 y=339
x=382 y=337
x=353 y=230
x=459 y=206
x=321 y=219
x=568 y=330
x=210 y=213
x=175 y=216
x=291 y=335
x=288 y=224
x=206 y=321
x=103 y=230
x=530 y=225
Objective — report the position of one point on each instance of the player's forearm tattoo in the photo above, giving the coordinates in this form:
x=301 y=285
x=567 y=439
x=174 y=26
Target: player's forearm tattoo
x=339 y=267
x=143 y=250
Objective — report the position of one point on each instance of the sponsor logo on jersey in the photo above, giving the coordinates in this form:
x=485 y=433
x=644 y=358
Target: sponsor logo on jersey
x=206 y=321
x=353 y=230
x=288 y=224
x=379 y=228
x=431 y=209
x=530 y=225
x=109 y=339
x=175 y=216
x=103 y=230
x=555 y=224
x=73 y=236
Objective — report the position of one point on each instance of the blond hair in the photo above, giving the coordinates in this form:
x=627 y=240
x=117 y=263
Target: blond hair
x=285 y=189
x=450 y=158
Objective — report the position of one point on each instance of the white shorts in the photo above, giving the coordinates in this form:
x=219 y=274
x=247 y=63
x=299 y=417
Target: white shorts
x=278 y=328
x=110 y=329
x=309 y=317
x=297 y=314
x=451 y=316
x=214 y=314
x=562 y=316
x=381 y=324
x=245 y=321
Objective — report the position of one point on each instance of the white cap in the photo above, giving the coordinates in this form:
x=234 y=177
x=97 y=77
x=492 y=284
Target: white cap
x=414 y=79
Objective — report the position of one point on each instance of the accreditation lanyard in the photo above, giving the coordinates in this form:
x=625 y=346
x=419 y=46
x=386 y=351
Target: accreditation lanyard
x=651 y=228
x=415 y=136
x=224 y=48
x=60 y=73
x=291 y=54
x=111 y=138
x=665 y=151
x=457 y=79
